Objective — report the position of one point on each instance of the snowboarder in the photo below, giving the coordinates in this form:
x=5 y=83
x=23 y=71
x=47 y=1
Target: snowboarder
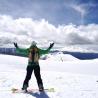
x=33 y=53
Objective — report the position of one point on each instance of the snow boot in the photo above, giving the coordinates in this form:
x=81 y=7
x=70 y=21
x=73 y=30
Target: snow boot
x=25 y=87
x=41 y=88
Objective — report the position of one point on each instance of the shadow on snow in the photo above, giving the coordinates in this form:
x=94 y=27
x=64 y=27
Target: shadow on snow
x=39 y=94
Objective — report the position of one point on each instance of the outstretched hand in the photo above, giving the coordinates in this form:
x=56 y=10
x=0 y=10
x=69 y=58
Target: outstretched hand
x=51 y=45
x=15 y=44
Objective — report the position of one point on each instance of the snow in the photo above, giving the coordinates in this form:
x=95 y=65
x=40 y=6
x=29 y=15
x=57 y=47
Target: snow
x=70 y=78
x=61 y=57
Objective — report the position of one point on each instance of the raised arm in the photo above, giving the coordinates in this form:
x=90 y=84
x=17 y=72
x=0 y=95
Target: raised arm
x=41 y=51
x=21 y=51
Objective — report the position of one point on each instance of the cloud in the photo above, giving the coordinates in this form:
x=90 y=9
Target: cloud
x=25 y=30
x=84 y=9
x=79 y=9
x=56 y=12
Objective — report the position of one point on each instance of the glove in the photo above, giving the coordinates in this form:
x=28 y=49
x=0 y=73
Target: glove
x=51 y=45
x=15 y=44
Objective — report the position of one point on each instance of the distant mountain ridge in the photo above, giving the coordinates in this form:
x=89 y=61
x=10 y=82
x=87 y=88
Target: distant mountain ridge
x=79 y=55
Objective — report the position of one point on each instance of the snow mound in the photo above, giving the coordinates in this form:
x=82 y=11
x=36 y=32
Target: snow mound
x=61 y=57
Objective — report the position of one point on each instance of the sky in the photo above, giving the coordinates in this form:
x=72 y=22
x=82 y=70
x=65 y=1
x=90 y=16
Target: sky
x=65 y=22
x=56 y=12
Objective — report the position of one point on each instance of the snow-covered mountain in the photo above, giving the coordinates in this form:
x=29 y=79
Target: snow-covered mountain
x=71 y=78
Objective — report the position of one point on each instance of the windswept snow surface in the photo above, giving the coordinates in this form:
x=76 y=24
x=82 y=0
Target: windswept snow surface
x=70 y=79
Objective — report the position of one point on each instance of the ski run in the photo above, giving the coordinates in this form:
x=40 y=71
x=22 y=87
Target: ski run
x=70 y=78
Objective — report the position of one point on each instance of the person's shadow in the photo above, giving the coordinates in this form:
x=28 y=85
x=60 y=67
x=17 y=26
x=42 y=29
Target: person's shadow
x=39 y=94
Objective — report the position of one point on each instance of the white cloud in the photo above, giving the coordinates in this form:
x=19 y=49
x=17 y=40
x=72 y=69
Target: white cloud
x=79 y=9
x=83 y=8
x=24 y=30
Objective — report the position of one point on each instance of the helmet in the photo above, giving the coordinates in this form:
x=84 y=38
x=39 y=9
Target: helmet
x=33 y=43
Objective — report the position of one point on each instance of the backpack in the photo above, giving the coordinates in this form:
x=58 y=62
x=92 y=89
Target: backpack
x=34 y=54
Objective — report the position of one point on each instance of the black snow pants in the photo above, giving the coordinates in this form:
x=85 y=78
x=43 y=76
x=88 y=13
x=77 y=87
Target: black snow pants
x=37 y=74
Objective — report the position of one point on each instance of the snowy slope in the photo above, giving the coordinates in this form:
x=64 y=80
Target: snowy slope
x=70 y=79
x=61 y=57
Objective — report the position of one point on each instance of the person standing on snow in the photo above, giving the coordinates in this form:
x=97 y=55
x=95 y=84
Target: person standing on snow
x=33 y=53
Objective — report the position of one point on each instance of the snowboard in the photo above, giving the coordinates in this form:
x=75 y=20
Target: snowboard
x=30 y=90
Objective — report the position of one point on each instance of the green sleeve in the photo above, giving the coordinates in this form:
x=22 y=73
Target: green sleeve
x=42 y=52
x=22 y=51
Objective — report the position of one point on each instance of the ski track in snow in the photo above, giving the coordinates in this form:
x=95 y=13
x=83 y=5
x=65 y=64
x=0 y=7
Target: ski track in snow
x=66 y=84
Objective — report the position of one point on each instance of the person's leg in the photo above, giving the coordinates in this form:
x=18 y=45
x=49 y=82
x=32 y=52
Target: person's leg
x=28 y=77
x=38 y=77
